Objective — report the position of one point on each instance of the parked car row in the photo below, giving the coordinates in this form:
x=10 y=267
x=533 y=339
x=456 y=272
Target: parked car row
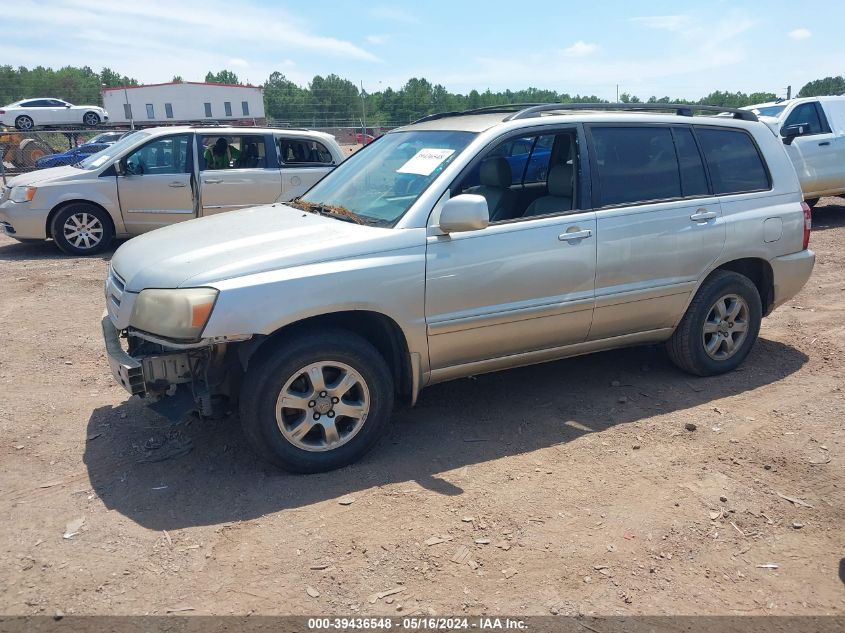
x=161 y=176
x=457 y=245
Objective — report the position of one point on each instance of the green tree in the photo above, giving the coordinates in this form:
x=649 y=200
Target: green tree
x=223 y=77
x=826 y=86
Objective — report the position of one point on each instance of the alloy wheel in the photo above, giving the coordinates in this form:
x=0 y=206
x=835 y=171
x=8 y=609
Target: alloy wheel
x=322 y=406
x=83 y=230
x=726 y=327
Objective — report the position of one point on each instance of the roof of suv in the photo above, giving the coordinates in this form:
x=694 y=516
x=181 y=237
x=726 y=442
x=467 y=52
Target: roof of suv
x=231 y=130
x=486 y=118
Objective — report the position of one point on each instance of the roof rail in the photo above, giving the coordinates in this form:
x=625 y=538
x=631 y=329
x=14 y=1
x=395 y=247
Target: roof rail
x=681 y=109
x=494 y=109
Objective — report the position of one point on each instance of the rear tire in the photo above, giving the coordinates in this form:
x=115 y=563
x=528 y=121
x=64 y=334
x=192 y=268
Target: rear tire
x=82 y=229
x=24 y=123
x=812 y=202
x=719 y=327
x=339 y=395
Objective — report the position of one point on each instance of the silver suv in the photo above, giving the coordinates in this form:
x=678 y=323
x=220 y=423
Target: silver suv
x=464 y=243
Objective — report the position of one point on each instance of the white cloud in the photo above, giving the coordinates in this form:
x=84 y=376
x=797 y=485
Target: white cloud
x=664 y=22
x=376 y=39
x=187 y=38
x=580 y=49
x=800 y=34
x=394 y=14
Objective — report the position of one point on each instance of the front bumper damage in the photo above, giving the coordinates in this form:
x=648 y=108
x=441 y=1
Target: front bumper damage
x=169 y=376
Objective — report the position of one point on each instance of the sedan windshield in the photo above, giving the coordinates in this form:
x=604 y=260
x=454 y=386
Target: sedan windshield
x=95 y=161
x=379 y=183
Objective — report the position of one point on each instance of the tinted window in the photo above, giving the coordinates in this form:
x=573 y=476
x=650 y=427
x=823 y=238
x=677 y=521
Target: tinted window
x=808 y=114
x=245 y=108
x=227 y=107
x=151 y=113
x=168 y=110
x=635 y=164
x=55 y=103
x=38 y=103
x=733 y=160
x=301 y=151
x=207 y=109
x=693 y=179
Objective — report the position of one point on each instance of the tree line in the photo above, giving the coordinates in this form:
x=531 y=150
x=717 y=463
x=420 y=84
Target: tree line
x=333 y=101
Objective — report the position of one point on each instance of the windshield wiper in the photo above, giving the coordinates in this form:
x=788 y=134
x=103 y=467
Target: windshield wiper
x=329 y=210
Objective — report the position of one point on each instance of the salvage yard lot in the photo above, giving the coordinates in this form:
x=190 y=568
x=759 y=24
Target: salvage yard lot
x=568 y=487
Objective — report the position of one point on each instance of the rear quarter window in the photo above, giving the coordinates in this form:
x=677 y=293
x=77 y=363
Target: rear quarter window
x=734 y=161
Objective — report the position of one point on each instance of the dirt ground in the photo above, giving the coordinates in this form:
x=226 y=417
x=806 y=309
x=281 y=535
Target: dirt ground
x=571 y=487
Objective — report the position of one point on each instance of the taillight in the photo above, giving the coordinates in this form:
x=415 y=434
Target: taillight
x=808 y=222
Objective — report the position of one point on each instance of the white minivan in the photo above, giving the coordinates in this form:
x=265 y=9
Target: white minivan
x=161 y=176
x=813 y=132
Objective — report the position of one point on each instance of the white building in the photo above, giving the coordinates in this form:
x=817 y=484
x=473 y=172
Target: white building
x=157 y=104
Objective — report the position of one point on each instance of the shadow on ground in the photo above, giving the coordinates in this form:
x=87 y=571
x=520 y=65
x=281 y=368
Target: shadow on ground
x=47 y=250
x=829 y=214
x=455 y=424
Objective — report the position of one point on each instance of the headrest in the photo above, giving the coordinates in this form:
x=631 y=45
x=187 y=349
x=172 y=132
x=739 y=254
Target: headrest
x=560 y=181
x=496 y=172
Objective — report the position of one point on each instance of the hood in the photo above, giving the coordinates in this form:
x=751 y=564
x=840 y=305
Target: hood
x=773 y=123
x=212 y=249
x=52 y=174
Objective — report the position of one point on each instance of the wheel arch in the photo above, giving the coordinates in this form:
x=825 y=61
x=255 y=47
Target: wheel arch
x=759 y=271
x=380 y=330
x=65 y=203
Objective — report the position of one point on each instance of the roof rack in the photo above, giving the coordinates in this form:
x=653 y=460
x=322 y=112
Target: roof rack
x=494 y=109
x=681 y=109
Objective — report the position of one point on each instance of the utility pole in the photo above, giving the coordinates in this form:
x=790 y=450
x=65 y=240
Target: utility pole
x=363 y=115
x=617 y=93
x=788 y=93
x=131 y=116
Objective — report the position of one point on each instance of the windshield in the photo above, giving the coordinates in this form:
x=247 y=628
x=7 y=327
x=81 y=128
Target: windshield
x=774 y=110
x=379 y=183
x=95 y=161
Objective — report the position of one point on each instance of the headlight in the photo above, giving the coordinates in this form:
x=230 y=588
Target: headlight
x=180 y=313
x=22 y=194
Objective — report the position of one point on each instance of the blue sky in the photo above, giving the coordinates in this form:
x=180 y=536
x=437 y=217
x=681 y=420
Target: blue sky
x=648 y=48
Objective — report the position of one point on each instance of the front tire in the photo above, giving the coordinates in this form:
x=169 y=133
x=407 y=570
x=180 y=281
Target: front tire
x=91 y=119
x=719 y=327
x=82 y=229
x=24 y=123
x=316 y=402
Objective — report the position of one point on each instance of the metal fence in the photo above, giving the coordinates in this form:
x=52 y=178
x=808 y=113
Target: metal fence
x=23 y=152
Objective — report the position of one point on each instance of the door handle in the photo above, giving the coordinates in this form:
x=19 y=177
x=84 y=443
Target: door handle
x=178 y=184
x=823 y=143
x=212 y=182
x=575 y=235
x=702 y=215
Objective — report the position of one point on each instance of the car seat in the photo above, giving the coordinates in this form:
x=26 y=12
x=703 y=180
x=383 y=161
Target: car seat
x=560 y=193
x=496 y=178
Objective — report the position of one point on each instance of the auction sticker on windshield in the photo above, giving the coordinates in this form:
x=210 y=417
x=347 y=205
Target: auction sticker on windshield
x=425 y=161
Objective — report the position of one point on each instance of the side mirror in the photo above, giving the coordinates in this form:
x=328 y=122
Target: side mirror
x=67 y=105
x=789 y=132
x=466 y=212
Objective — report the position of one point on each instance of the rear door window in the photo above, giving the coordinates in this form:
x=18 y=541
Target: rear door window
x=693 y=177
x=635 y=164
x=734 y=161
x=233 y=152
x=302 y=152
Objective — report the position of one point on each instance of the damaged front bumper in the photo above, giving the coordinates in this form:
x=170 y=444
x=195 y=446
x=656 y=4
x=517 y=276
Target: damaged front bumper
x=152 y=370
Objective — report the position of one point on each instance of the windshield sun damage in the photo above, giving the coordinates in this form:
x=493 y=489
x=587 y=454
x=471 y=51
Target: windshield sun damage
x=95 y=161
x=381 y=182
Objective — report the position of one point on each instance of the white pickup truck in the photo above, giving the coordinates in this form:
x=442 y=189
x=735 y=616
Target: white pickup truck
x=813 y=132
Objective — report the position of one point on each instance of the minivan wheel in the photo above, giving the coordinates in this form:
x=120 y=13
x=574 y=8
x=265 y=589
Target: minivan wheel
x=24 y=123
x=82 y=229
x=316 y=402
x=719 y=327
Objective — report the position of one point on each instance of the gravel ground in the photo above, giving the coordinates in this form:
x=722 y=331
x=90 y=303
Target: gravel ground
x=570 y=487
